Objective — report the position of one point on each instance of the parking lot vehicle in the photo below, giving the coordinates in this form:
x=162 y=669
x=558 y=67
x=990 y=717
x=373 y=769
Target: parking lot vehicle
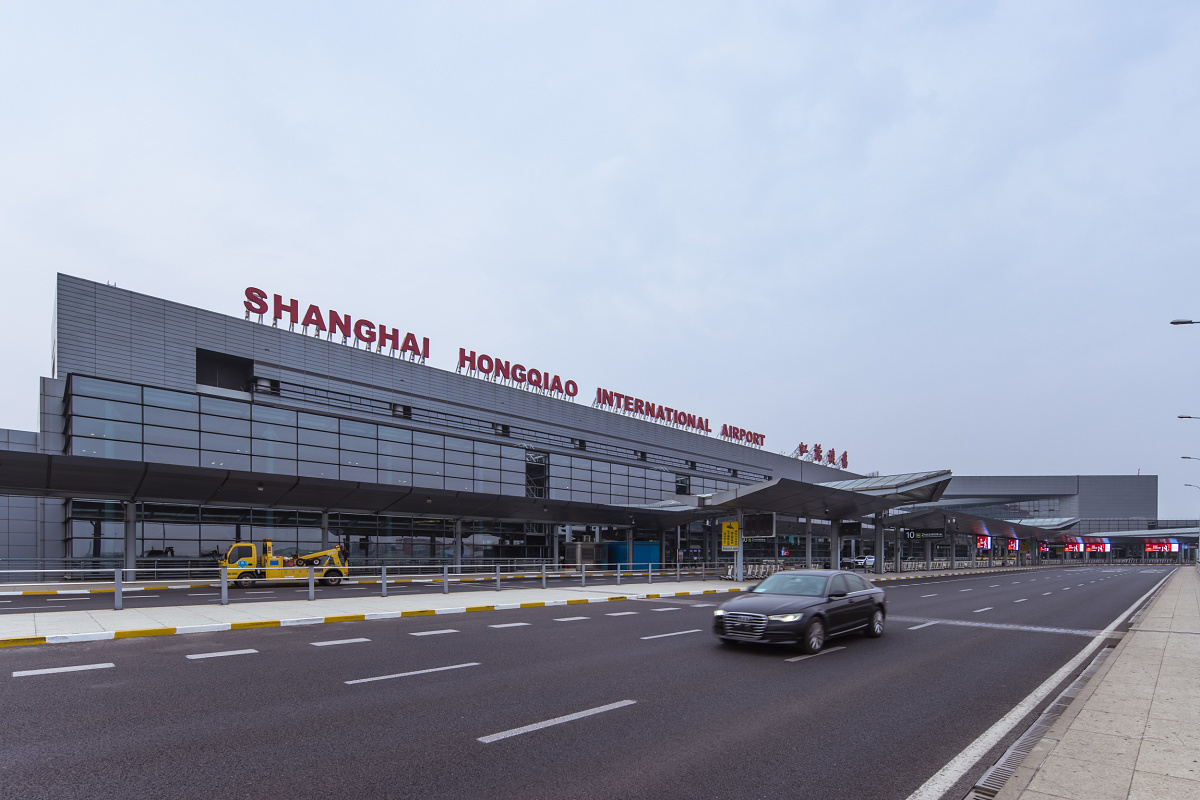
x=803 y=607
x=864 y=562
x=245 y=565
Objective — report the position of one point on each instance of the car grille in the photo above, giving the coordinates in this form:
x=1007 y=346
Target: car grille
x=744 y=626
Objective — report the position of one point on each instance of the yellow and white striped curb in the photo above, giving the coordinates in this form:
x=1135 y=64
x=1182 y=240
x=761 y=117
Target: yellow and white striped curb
x=96 y=636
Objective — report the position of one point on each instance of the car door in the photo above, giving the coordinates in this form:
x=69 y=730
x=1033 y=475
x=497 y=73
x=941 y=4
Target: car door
x=838 y=610
x=862 y=601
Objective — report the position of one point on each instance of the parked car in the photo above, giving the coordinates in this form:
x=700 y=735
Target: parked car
x=802 y=607
x=864 y=562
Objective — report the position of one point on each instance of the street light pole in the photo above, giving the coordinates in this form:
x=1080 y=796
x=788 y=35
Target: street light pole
x=1184 y=322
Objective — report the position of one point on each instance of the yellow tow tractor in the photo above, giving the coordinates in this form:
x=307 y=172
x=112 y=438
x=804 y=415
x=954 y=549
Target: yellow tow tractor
x=245 y=566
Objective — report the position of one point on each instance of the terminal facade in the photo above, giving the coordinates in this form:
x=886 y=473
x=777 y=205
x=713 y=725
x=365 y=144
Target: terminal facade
x=291 y=390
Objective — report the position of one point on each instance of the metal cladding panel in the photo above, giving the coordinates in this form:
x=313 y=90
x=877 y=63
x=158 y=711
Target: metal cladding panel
x=1118 y=496
x=1001 y=486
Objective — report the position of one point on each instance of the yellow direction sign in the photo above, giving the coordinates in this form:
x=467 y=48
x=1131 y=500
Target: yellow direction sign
x=729 y=537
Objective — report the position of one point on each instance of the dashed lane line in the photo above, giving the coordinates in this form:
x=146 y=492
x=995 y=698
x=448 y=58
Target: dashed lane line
x=621 y=614
x=570 y=619
x=664 y=635
x=333 y=642
x=997 y=626
x=966 y=590
x=930 y=595
x=1022 y=600
x=414 y=672
x=432 y=633
x=221 y=654
x=665 y=609
x=1046 y=593
x=510 y=625
x=980 y=610
x=824 y=652
x=23 y=673
x=495 y=737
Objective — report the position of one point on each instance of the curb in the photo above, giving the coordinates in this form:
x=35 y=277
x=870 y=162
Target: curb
x=96 y=636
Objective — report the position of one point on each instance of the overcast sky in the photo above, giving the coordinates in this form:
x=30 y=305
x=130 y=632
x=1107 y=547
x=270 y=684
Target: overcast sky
x=935 y=235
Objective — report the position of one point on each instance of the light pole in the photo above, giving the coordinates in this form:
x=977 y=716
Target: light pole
x=1184 y=321
x=1194 y=486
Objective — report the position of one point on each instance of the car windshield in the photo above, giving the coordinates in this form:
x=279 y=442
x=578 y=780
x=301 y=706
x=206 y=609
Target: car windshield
x=783 y=583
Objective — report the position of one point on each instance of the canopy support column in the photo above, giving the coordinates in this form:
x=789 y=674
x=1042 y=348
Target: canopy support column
x=808 y=564
x=879 y=533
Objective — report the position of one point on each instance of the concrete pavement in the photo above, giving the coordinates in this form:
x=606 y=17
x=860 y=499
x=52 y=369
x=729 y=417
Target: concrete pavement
x=1133 y=733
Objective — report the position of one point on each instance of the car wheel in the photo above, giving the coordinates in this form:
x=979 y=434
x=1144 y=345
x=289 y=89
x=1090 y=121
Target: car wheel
x=244 y=581
x=814 y=637
x=875 y=629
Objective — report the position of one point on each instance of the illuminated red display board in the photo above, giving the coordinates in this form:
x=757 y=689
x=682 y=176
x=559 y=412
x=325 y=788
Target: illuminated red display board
x=1096 y=548
x=983 y=542
x=1014 y=544
x=1163 y=547
x=1072 y=547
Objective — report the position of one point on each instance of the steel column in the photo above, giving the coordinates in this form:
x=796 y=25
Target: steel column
x=130 y=559
x=808 y=542
x=879 y=543
x=458 y=544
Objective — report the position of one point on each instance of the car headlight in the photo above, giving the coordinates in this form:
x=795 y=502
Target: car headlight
x=718 y=612
x=785 y=617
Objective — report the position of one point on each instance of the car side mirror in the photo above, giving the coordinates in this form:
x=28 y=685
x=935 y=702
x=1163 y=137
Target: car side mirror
x=836 y=595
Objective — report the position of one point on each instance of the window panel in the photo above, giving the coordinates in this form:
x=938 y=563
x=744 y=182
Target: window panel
x=276 y=466
x=323 y=454
x=600 y=466
x=277 y=416
x=319 y=438
x=309 y=469
x=428 y=481
x=457 y=457
x=395 y=449
x=225 y=408
x=487 y=449
x=427 y=439
x=395 y=463
x=428 y=467
x=231 y=427
x=167 y=399
x=560 y=461
x=358 y=443
x=429 y=453
x=517 y=453
x=481 y=474
x=106 y=409
x=224 y=460
x=317 y=422
x=229 y=444
x=460 y=484
x=107 y=390
x=171 y=436
x=395 y=478
x=274 y=449
x=105 y=429
x=355 y=428
x=172 y=419
x=272 y=432
x=487 y=487
x=491 y=462
x=464 y=445
x=459 y=471
x=358 y=474
x=172 y=455
x=395 y=434
x=350 y=458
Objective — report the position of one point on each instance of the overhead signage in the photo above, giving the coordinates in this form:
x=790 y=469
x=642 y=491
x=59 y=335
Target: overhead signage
x=729 y=537
x=1162 y=547
x=923 y=534
x=518 y=374
x=360 y=330
x=983 y=542
x=379 y=337
x=758 y=526
x=1072 y=547
x=1096 y=548
x=818 y=455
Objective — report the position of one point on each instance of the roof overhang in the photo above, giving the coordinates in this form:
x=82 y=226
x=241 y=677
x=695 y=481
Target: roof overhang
x=836 y=500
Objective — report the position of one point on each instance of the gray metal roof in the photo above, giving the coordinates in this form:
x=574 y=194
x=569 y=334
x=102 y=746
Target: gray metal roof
x=910 y=487
x=837 y=500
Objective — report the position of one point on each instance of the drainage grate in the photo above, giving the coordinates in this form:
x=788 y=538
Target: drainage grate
x=998 y=774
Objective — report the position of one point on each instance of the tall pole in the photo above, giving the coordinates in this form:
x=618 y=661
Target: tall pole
x=808 y=542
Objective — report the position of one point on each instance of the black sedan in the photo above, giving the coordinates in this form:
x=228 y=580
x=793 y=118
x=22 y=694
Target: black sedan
x=803 y=607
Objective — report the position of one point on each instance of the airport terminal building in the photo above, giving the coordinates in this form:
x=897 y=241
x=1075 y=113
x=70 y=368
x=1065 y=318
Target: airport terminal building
x=172 y=431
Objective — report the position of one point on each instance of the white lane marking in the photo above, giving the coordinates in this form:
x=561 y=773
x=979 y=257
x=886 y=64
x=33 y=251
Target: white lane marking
x=922 y=625
x=703 y=605
x=1046 y=593
x=814 y=655
x=1066 y=588
x=1082 y=584
x=510 y=625
x=203 y=594
x=672 y=608
x=24 y=672
x=978 y=610
x=1022 y=600
x=663 y=635
x=621 y=614
x=570 y=619
x=222 y=654
x=994 y=585
x=930 y=595
x=537 y=726
x=431 y=633
x=945 y=778
x=966 y=590
x=338 y=641
x=414 y=672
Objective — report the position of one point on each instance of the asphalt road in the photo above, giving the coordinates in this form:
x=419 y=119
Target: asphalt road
x=683 y=717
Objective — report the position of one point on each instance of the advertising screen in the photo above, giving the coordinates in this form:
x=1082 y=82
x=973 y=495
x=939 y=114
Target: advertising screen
x=1097 y=548
x=1162 y=547
x=983 y=542
x=1072 y=547
x=1014 y=544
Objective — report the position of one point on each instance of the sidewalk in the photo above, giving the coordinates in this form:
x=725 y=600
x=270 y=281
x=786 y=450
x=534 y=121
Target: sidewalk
x=1133 y=733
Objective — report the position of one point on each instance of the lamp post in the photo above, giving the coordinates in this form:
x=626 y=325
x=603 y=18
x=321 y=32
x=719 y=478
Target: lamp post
x=1194 y=486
